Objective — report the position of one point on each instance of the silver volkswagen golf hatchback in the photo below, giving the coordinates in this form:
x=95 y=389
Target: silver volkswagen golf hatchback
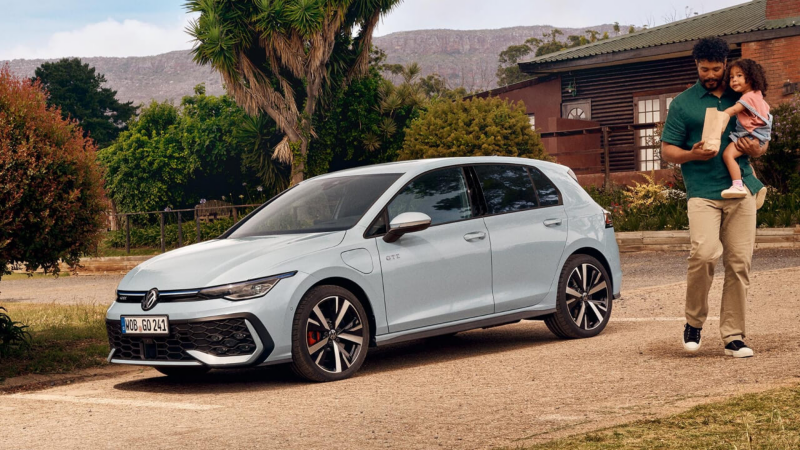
x=372 y=256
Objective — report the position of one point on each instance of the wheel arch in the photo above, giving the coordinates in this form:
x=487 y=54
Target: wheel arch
x=359 y=292
x=598 y=255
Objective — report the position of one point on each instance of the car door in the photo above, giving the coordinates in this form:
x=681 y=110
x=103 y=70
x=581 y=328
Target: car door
x=528 y=231
x=443 y=273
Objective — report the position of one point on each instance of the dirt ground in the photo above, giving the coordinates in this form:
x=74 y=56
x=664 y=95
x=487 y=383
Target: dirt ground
x=506 y=386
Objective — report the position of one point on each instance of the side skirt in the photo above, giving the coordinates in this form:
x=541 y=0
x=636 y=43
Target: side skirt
x=488 y=322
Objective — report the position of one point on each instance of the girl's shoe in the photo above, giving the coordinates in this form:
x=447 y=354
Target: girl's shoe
x=734 y=192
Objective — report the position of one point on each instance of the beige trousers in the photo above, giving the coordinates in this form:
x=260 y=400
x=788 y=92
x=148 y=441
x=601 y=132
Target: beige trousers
x=717 y=228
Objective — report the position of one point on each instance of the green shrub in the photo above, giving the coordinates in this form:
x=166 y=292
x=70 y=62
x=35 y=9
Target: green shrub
x=475 y=127
x=651 y=206
x=13 y=335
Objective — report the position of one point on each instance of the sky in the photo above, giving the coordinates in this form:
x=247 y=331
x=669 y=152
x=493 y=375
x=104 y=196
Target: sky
x=58 y=28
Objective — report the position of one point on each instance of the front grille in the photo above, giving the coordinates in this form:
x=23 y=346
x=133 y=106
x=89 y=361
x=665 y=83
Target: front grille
x=226 y=337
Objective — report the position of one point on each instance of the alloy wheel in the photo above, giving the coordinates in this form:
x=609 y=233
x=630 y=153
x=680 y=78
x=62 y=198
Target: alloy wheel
x=587 y=296
x=334 y=334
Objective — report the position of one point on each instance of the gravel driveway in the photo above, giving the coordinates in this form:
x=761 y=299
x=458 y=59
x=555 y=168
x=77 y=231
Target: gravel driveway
x=505 y=386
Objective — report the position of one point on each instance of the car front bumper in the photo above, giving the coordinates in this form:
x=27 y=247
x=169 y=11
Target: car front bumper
x=198 y=330
x=232 y=340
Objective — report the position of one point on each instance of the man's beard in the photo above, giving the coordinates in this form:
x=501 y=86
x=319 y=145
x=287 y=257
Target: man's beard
x=716 y=81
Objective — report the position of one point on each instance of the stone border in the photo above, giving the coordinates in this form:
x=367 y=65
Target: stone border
x=637 y=241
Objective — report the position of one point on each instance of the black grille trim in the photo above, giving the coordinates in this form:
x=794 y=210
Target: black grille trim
x=163 y=297
x=192 y=334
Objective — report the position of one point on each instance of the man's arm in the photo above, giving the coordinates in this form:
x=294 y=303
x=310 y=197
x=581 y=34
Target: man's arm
x=676 y=155
x=751 y=147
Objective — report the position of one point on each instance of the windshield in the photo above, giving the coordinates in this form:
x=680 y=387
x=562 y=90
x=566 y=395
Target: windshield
x=330 y=204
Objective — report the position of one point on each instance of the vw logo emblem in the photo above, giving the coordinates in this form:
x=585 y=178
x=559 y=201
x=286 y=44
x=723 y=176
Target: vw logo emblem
x=150 y=300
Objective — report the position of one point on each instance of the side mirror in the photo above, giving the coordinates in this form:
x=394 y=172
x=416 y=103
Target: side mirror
x=409 y=222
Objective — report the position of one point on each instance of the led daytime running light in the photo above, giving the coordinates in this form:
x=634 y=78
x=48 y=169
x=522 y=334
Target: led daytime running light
x=246 y=290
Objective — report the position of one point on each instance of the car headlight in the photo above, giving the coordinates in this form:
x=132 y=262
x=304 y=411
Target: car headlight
x=245 y=290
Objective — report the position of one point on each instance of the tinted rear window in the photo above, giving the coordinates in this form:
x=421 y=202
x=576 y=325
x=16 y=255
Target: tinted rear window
x=506 y=188
x=548 y=194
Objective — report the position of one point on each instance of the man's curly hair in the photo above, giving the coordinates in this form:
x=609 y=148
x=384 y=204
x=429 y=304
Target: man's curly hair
x=712 y=49
x=753 y=74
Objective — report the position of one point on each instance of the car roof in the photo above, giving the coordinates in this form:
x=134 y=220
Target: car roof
x=423 y=165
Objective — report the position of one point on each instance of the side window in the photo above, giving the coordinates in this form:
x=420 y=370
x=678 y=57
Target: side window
x=441 y=194
x=506 y=188
x=548 y=194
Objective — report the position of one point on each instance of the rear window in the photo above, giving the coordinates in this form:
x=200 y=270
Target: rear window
x=548 y=194
x=506 y=188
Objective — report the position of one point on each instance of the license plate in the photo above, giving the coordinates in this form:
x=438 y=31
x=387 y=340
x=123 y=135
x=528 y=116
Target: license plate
x=150 y=325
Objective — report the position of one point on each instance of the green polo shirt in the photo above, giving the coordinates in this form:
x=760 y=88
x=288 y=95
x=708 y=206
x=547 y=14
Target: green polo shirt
x=684 y=128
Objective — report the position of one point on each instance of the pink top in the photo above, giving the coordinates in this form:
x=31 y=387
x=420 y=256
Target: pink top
x=749 y=120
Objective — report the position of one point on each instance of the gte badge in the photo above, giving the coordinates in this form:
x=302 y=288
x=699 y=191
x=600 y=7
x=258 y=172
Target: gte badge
x=149 y=301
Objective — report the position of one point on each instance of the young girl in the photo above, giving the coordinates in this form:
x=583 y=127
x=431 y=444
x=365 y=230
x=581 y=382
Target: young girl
x=753 y=119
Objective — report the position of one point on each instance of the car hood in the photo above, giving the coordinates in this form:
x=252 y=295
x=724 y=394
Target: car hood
x=223 y=261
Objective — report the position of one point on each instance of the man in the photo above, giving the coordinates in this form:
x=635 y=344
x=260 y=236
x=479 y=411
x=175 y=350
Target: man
x=717 y=227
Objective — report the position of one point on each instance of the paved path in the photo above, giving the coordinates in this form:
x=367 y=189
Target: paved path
x=505 y=386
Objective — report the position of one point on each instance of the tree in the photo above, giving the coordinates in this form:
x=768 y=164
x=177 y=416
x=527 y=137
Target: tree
x=147 y=167
x=366 y=123
x=173 y=157
x=508 y=69
x=474 y=127
x=209 y=132
x=281 y=57
x=51 y=199
x=616 y=28
x=631 y=29
x=77 y=89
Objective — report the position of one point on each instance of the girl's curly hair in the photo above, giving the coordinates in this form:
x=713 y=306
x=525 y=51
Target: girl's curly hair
x=753 y=74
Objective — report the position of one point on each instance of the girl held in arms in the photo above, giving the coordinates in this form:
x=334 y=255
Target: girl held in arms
x=753 y=119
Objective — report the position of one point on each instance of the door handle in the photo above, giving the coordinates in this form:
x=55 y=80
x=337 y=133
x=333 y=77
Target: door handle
x=552 y=222
x=474 y=236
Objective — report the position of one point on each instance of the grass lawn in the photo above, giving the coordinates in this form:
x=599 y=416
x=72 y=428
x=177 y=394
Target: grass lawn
x=65 y=338
x=766 y=421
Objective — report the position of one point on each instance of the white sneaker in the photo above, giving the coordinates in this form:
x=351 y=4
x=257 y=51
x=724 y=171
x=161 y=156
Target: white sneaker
x=761 y=195
x=738 y=349
x=734 y=192
x=691 y=338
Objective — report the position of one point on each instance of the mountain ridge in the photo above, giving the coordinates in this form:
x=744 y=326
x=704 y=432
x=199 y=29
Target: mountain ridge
x=462 y=57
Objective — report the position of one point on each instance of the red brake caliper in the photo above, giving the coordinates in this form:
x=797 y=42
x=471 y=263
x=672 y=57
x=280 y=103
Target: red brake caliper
x=314 y=337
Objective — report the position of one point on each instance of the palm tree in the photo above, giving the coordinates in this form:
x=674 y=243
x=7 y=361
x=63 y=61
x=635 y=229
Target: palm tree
x=280 y=57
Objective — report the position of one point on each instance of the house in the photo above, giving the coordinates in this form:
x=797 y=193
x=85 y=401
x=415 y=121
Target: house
x=626 y=83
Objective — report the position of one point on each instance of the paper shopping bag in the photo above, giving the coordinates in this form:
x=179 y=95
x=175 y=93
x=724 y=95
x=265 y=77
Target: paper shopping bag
x=715 y=124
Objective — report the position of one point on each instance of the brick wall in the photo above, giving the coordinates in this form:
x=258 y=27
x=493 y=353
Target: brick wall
x=780 y=59
x=781 y=9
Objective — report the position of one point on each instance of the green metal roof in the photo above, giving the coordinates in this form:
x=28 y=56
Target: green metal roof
x=744 y=18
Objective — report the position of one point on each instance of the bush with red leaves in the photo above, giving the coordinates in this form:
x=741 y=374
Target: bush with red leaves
x=51 y=197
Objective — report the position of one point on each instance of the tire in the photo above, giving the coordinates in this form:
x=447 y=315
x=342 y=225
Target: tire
x=582 y=310
x=183 y=372
x=330 y=335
